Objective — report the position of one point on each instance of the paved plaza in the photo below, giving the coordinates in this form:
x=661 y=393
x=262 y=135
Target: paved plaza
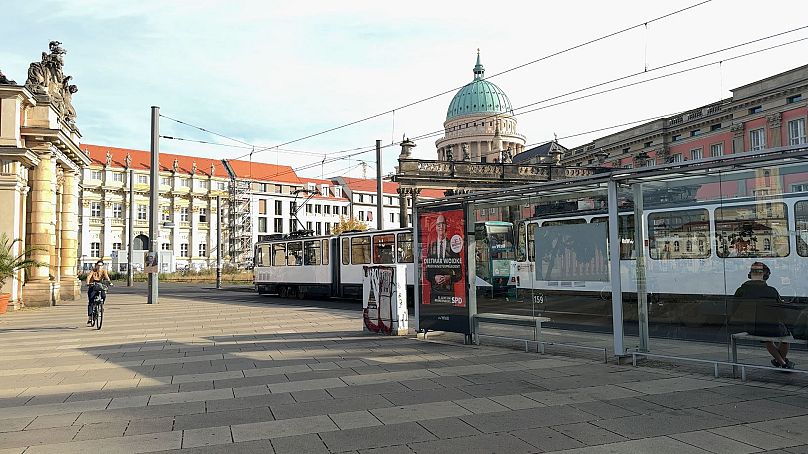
x=210 y=371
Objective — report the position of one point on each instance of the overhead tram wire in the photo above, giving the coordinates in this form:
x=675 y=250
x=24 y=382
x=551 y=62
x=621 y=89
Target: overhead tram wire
x=442 y=131
x=185 y=139
x=554 y=54
x=206 y=130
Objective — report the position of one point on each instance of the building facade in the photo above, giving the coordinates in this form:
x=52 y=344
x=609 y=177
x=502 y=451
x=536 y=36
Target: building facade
x=764 y=114
x=199 y=200
x=480 y=125
x=196 y=199
x=40 y=166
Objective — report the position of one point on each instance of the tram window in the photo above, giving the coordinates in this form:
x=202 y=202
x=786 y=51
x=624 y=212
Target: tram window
x=360 y=250
x=742 y=231
x=311 y=252
x=325 y=252
x=383 y=248
x=531 y=242
x=801 y=216
x=279 y=254
x=294 y=253
x=626 y=231
x=405 y=248
x=259 y=256
x=666 y=231
x=346 y=251
x=521 y=240
x=263 y=255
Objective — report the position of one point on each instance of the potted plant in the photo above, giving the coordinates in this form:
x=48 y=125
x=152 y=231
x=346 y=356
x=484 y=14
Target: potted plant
x=11 y=263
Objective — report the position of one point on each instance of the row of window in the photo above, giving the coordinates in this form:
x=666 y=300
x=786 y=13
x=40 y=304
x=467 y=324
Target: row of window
x=142 y=212
x=119 y=177
x=377 y=249
x=388 y=200
x=320 y=228
x=310 y=208
x=757 y=141
x=293 y=253
x=95 y=249
x=311 y=187
x=747 y=231
x=358 y=250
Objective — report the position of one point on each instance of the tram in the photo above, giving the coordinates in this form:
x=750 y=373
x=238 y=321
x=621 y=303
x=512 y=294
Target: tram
x=695 y=254
x=328 y=266
x=333 y=266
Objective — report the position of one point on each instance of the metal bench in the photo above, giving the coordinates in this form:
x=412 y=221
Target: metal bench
x=746 y=336
x=513 y=320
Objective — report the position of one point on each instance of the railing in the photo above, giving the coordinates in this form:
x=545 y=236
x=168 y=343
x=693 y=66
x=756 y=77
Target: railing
x=695 y=114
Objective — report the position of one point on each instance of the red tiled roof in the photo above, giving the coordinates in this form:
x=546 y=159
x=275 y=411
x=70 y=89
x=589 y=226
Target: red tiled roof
x=388 y=187
x=141 y=161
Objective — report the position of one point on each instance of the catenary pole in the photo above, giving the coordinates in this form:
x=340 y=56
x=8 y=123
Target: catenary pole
x=154 y=193
x=218 y=241
x=379 y=192
x=130 y=229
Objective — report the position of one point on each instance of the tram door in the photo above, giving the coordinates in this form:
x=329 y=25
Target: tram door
x=335 y=264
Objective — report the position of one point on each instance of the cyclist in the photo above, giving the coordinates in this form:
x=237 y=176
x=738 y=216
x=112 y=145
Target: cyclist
x=97 y=274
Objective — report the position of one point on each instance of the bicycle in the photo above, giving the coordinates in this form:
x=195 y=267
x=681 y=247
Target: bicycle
x=100 y=296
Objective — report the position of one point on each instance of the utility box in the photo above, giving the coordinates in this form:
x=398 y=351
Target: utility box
x=384 y=300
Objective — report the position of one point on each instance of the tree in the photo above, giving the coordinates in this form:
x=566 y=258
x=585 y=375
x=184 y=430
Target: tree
x=348 y=224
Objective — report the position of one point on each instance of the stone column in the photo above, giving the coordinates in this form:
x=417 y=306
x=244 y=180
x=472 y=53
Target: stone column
x=402 y=207
x=39 y=287
x=415 y=193
x=56 y=252
x=70 y=287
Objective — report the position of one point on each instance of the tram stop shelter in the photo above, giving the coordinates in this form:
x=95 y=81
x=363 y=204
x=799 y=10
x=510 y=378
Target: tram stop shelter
x=663 y=261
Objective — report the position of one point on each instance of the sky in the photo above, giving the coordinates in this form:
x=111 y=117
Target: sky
x=267 y=73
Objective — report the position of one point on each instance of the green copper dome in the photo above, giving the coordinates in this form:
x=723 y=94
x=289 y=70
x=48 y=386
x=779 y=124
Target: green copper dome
x=478 y=97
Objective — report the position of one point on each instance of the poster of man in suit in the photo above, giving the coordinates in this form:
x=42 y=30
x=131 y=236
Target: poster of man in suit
x=443 y=263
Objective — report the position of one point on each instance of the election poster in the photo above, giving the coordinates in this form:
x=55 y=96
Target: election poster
x=442 y=270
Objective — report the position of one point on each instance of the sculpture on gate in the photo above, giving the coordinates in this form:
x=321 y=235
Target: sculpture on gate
x=46 y=80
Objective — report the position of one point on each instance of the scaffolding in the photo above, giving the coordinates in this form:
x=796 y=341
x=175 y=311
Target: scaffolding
x=239 y=218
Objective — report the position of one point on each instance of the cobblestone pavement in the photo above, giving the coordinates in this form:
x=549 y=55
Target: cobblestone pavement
x=211 y=371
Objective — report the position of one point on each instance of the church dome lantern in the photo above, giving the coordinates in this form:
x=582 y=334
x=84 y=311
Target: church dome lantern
x=479 y=97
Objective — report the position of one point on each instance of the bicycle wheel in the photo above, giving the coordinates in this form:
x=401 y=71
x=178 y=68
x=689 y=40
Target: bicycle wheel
x=95 y=315
x=100 y=316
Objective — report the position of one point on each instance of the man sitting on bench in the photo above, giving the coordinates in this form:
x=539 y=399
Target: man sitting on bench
x=769 y=314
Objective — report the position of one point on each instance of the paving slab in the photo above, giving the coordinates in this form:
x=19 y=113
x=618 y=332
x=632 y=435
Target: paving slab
x=375 y=437
x=477 y=444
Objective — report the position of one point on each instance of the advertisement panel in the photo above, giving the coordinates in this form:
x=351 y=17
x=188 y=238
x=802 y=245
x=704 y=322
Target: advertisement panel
x=442 y=266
